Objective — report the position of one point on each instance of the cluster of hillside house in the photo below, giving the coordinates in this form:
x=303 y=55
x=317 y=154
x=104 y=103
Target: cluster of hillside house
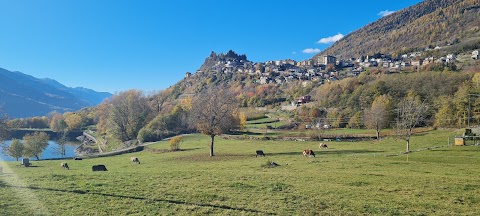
x=325 y=68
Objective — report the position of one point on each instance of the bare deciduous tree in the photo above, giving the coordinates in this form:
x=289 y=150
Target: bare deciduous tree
x=411 y=112
x=62 y=140
x=157 y=99
x=214 y=112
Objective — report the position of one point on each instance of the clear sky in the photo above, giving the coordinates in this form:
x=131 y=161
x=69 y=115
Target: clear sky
x=116 y=45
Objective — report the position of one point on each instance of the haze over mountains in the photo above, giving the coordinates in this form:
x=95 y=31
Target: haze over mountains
x=22 y=95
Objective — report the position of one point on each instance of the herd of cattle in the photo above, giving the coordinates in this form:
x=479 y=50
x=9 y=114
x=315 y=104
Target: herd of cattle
x=101 y=167
x=306 y=152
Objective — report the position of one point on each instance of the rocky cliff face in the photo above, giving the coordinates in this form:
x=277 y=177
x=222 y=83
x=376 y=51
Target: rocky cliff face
x=213 y=59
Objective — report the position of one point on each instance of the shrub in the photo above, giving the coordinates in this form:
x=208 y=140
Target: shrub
x=175 y=143
x=148 y=135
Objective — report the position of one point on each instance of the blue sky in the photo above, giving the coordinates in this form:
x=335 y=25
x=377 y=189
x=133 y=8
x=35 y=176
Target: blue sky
x=149 y=45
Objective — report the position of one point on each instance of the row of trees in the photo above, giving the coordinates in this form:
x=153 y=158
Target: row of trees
x=384 y=112
x=55 y=121
x=130 y=115
x=32 y=145
x=347 y=102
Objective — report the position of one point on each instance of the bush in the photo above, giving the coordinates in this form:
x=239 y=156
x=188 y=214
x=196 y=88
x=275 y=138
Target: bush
x=148 y=135
x=175 y=143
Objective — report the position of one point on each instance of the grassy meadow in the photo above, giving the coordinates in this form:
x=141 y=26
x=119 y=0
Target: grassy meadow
x=349 y=178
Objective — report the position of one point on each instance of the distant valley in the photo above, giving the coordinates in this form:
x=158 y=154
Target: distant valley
x=22 y=95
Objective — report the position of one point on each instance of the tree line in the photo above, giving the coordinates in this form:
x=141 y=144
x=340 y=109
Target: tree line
x=32 y=145
x=349 y=102
x=132 y=115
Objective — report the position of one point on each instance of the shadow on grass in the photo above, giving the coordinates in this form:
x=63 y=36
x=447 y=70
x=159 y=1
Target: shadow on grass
x=328 y=152
x=357 y=151
x=158 y=151
x=33 y=166
x=218 y=157
x=2 y=184
x=223 y=157
x=244 y=133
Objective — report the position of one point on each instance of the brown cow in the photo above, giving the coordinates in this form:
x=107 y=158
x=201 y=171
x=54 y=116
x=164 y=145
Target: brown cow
x=308 y=153
x=323 y=145
x=64 y=166
x=135 y=160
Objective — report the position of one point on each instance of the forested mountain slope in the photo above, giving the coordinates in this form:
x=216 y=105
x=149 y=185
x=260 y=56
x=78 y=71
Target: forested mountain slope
x=430 y=23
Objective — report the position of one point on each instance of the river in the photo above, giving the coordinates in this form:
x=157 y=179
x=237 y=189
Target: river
x=48 y=153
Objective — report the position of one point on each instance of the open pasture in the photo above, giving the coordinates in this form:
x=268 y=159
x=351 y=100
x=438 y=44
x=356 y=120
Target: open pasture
x=348 y=178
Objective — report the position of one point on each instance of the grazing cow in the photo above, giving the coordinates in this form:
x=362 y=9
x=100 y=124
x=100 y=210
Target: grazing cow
x=323 y=145
x=259 y=153
x=308 y=153
x=26 y=162
x=135 y=160
x=99 y=168
x=65 y=166
x=76 y=158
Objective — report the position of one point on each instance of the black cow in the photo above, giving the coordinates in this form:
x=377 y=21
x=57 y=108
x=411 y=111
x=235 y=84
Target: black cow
x=259 y=153
x=76 y=158
x=99 y=168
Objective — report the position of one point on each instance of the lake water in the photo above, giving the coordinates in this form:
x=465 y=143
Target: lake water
x=49 y=152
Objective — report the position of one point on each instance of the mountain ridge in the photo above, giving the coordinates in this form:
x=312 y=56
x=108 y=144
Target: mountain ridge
x=23 y=95
x=428 y=23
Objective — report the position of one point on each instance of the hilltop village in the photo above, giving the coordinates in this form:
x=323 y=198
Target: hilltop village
x=325 y=68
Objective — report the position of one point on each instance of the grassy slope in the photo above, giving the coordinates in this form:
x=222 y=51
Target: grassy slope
x=348 y=178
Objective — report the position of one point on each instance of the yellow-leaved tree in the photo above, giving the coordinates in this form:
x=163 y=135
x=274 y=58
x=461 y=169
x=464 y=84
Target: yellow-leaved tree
x=379 y=114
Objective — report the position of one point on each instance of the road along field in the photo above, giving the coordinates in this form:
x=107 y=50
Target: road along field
x=348 y=178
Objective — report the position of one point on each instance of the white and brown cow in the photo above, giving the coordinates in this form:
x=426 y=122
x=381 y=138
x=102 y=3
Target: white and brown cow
x=323 y=146
x=308 y=153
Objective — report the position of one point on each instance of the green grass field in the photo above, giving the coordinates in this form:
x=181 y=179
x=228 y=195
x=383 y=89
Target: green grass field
x=349 y=178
